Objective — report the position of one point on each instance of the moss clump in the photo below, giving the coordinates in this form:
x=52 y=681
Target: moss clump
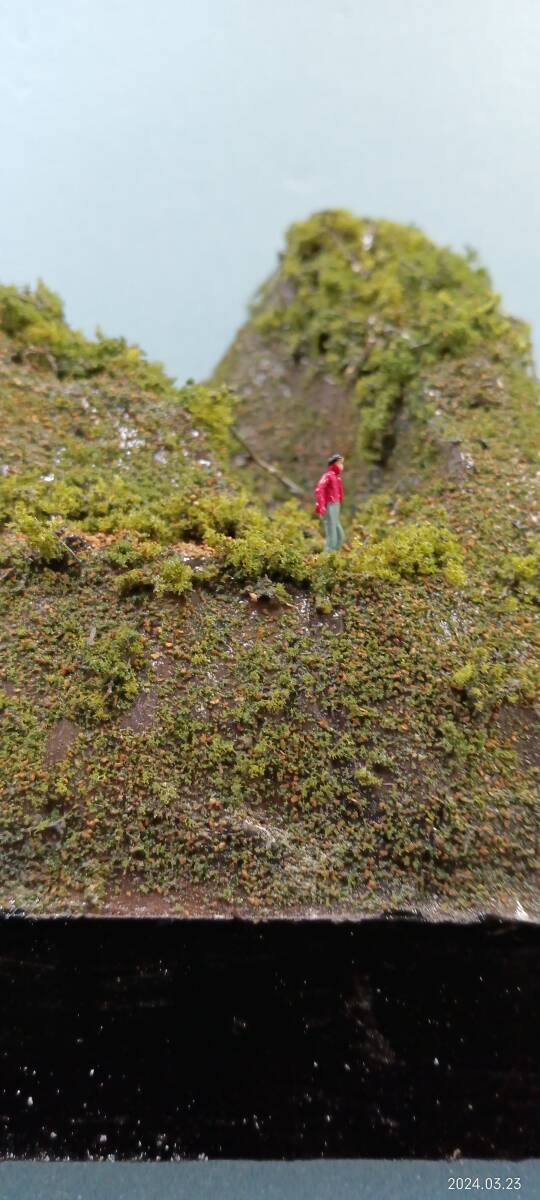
x=134 y=582
x=106 y=675
x=250 y=542
x=214 y=410
x=198 y=516
x=379 y=394
x=174 y=579
x=463 y=676
x=486 y=680
x=264 y=590
x=42 y=539
x=460 y=744
x=411 y=551
x=521 y=572
x=131 y=553
x=256 y=554
x=21 y=308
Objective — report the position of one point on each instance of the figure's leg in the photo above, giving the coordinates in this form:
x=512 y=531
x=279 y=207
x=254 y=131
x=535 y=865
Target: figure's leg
x=333 y=519
x=328 y=532
x=340 y=535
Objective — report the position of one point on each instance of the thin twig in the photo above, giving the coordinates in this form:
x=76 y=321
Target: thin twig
x=288 y=483
x=69 y=550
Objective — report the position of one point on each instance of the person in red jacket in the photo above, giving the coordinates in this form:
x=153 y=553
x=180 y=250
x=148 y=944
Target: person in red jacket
x=329 y=498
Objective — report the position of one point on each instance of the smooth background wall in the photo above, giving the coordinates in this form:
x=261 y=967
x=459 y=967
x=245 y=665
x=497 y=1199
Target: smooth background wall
x=152 y=152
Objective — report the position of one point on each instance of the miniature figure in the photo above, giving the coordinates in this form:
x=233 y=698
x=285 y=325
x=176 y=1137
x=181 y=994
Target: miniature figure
x=329 y=497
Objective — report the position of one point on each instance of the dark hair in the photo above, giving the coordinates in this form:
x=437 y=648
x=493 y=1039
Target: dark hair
x=334 y=458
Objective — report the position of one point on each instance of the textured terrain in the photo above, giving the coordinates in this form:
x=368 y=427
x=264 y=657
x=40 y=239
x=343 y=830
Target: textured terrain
x=200 y=711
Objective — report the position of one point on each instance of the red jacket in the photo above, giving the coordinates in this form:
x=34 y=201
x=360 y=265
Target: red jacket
x=329 y=489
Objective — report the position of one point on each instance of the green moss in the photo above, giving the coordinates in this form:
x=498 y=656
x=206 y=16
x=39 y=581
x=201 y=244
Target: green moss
x=130 y=552
x=256 y=554
x=214 y=410
x=522 y=573
x=410 y=551
x=487 y=680
x=457 y=742
x=265 y=590
x=528 y=681
x=106 y=680
x=134 y=582
x=365 y=777
x=21 y=307
x=463 y=676
x=34 y=319
x=376 y=303
x=41 y=538
x=175 y=578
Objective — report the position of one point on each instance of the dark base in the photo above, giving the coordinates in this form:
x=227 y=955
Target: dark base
x=390 y=1039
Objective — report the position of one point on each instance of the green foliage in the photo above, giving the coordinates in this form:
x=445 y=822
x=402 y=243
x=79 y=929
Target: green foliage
x=463 y=676
x=250 y=542
x=323 y=603
x=408 y=552
x=109 y=670
x=20 y=308
x=522 y=573
x=529 y=682
x=213 y=409
x=265 y=589
x=34 y=319
x=175 y=578
x=11 y=554
x=124 y=553
x=375 y=303
x=454 y=573
x=365 y=778
x=379 y=394
x=379 y=401
x=41 y=538
x=486 y=681
x=198 y=516
x=133 y=582
x=361 y=267
x=38 y=498
x=462 y=745
x=259 y=554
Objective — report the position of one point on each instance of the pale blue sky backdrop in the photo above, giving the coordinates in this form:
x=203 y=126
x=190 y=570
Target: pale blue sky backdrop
x=152 y=152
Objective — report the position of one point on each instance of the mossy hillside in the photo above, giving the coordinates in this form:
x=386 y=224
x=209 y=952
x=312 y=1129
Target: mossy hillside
x=198 y=703
x=352 y=341
x=294 y=756
x=91 y=431
x=124 y=456
x=289 y=757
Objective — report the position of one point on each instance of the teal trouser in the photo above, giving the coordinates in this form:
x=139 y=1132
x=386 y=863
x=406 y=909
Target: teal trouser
x=335 y=536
